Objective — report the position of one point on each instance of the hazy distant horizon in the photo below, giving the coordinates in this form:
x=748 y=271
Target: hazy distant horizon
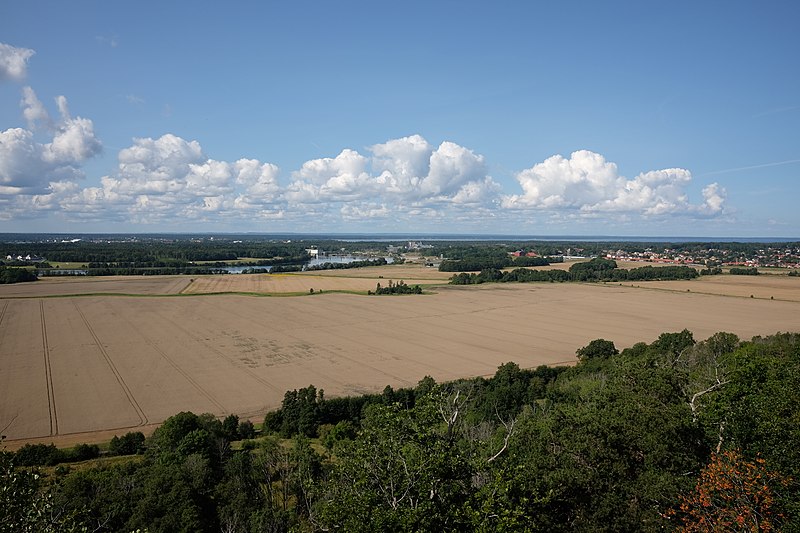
x=392 y=237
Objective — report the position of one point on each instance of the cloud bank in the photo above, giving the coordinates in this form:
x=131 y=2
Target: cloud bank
x=172 y=179
x=168 y=180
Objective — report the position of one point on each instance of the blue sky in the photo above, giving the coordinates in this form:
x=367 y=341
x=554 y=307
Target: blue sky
x=580 y=118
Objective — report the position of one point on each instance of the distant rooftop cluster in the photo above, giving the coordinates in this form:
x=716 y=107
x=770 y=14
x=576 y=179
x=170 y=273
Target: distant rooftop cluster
x=768 y=257
x=28 y=258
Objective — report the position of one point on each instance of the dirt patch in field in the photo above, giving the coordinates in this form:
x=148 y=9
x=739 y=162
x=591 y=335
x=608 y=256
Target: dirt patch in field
x=74 y=366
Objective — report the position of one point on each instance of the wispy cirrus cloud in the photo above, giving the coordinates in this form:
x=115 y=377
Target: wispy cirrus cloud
x=751 y=167
x=777 y=111
x=133 y=99
x=112 y=41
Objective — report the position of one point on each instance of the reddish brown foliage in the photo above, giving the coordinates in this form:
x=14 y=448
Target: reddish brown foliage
x=732 y=494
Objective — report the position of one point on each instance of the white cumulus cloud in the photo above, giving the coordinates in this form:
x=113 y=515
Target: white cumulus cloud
x=14 y=62
x=400 y=164
x=584 y=179
x=340 y=178
x=73 y=142
x=714 y=197
x=364 y=212
x=586 y=182
x=167 y=178
x=28 y=165
x=260 y=179
x=451 y=167
x=398 y=172
x=33 y=109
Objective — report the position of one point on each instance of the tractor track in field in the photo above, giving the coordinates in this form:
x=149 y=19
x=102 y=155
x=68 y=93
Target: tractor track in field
x=178 y=369
x=48 y=374
x=2 y=316
x=125 y=388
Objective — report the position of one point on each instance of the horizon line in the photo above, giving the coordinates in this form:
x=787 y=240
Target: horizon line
x=429 y=235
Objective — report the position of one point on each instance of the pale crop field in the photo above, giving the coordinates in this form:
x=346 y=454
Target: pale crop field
x=763 y=286
x=66 y=285
x=292 y=283
x=82 y=368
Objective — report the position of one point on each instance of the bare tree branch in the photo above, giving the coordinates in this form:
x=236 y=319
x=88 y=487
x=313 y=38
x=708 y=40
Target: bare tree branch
x=509 y=431
x=719 y=381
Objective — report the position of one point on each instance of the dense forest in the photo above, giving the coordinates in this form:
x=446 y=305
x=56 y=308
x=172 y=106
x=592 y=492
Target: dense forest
x=597 y=269
x=465 y=258
x=674 y=435
x=15 y=275
x=165 y=255
x=352 y=264
x=176 y=250
x=155 y=252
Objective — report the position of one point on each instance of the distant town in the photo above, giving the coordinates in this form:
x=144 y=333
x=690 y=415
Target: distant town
x=766 y=257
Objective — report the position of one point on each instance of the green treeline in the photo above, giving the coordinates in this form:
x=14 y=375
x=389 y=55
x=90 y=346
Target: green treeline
x=154 y=251
x=597 y=269
x=739 y=271
x=49 y=455
x=380 y=261
x=154 y=271
x=396 y=288
x=180 y=264
x=669 y=436
x=473 y=258
x=307 y=412
x=16 y=275
x=176 y=250
x=591 y=248
x=282 y=268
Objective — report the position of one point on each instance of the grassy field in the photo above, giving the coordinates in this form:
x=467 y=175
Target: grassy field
x=67 y=265
x=82 y=367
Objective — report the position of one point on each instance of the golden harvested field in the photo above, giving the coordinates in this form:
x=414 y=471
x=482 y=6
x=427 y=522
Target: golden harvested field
x=293 y=283
x=395 y=272
x=78 y=368
x=764 y=286
x=93 y=285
